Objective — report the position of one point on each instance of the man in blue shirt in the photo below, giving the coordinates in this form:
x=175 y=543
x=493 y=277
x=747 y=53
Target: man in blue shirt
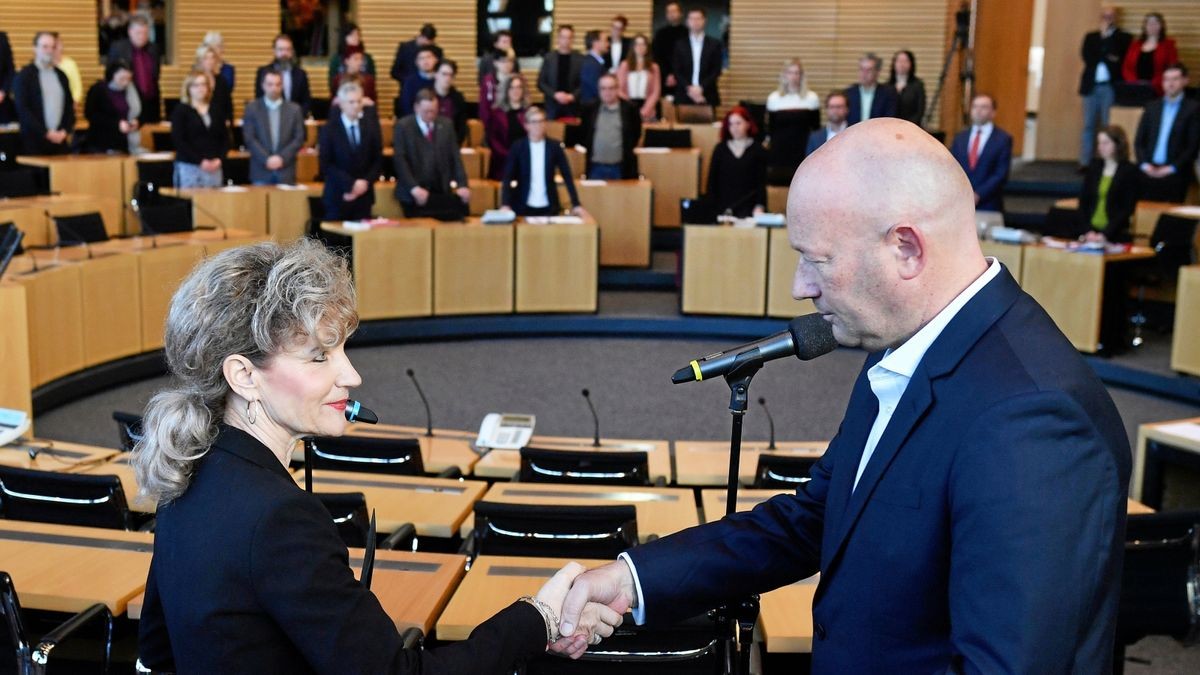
x=1167 y=140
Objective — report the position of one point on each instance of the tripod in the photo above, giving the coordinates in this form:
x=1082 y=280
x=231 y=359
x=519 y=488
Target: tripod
x=960 y=43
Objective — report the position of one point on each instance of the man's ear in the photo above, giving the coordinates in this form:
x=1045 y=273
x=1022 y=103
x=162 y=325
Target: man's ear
x=239 y=374
x=908 y=242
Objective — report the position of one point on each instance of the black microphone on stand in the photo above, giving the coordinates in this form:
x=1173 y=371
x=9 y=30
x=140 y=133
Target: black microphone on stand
x=428 y=415
x=595 y=419
x=770 y=421
x=220 y=223
x=806 y=337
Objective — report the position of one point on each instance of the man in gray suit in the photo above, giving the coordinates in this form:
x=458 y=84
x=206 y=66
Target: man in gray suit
x=430 y=179
x=274 y=132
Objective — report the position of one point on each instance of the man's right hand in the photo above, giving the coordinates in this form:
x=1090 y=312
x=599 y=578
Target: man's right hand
x=420 y=195
x=274 y=163
x=563 y=98
x=56 y=136
x=610 y=585
x=671 y=81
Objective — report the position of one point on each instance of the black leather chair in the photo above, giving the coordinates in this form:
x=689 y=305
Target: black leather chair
x=782 y=471
x=353 y=521
x=5 y=229
x=156 y=173
x=20 y=182
x=35 y=656
x=667 y=138
x=64 y=498
x=600 y=532
x=129 y=429
x=83 y=228
x=319 y=108
x=698 y=211
x=789 y=130
x=367 y=454
x=160 y=213
x=1172 y=240
x=587 y=467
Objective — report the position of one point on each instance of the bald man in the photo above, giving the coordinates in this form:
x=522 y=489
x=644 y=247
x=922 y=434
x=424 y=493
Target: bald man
x=969 y=515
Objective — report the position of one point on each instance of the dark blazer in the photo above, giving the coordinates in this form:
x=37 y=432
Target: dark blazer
x=885 y=103
x=991 y=171
x=123 y=50
x=27 y=91
x=408 y=92
x=195 y=142
x=626 y=47
x=1182 y=144
x=710 y=69
x=104 y=131
x=432 y=166
x=1121 y=202
x=301 y=93
x=342 y=164
x=517 y=171
x=547 y=82
x=1109 y=50
x=631 y=133
x=249 y=575
x=737 y=184
x=405 y=62
x=7 y=72
x=663 y=46
x=816 y=139
x=222 y=99
x=589 y=78
x=985 y=535
x=459 y=104
x=910 y=103
x=256 y=132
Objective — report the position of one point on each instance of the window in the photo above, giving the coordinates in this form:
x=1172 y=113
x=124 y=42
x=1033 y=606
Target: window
x=530 y=22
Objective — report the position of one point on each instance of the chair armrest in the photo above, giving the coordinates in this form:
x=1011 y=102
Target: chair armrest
x=403 y=538
x=450 y=472
x=96 y=613
x=413 y=638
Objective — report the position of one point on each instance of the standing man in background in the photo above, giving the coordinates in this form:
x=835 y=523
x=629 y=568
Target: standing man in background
x=984 y=151
x=139 y=52
x=45 y=109
x=868 y=98
x=618 y=44
x=610 y=128
x=665 y=39
x=593 y=66
x=1103 y=52
x=697 y=64
x=274 y=133
x=405 y=62
x=295 y=80
x=1168 y=139
x=351 y=153
x=560 y=75
x=430 y=178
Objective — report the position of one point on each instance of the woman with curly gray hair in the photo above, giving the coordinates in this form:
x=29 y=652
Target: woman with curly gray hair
x=248 y=573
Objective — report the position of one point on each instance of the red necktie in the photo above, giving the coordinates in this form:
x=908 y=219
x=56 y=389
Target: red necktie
x=973 y=153
x=429 y=133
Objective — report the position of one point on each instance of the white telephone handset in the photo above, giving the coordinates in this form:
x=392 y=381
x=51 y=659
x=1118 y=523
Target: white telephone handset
x=13 y=425
x=505 y=431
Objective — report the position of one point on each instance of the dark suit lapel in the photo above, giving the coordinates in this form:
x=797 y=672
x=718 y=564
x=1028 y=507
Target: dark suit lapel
x=851 y=438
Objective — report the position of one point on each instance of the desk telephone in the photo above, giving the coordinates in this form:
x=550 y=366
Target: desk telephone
x=505 y=431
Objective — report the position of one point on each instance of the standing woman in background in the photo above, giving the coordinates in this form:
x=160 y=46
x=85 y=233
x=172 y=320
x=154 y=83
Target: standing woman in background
x=225 y=70
x=1110 y=189
x=506 y=123
x=112 y=110
x=351 y=38
x=909 y=88
x=793 y=92
x=737 y=177
x=1149 y=54
x=199 y=133
x=639 y=79
x=209 y=61
x=492 y=82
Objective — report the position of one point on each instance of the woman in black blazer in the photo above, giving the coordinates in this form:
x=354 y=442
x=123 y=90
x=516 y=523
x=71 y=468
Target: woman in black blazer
x=199 y=133
x=249 y=574
x=737 y=175
x=112 y=107
x=1110 y=189
x=451 y=103
x=910 y=89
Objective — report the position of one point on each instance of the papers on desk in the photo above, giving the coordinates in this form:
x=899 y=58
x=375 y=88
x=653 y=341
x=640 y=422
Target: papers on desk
x=770 y=220
x=156 y=156
x=593 y=182
x=1185 y=211
x=235 y=188
x=652 y=151
x=292 y=188
x=498 y=217
x=356 y=225
x=1188 y=430
x=1094 y=247
x=553 y=220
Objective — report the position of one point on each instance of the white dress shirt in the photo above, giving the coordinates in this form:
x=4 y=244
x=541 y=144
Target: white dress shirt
x=889 y=378
x=614 y=53
x=697 y=42
x=537 y=199
x=636 y=83
x=353 y=130
x=867 y=98
x=425 y=128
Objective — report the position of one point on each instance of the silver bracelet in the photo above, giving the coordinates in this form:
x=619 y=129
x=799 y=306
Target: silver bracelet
x=548 y=616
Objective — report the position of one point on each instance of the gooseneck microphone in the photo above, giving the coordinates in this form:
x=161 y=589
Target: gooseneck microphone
x=770 y=421
x=595 y=419
x=806 y=337
x=357 y=412
x=428 y=415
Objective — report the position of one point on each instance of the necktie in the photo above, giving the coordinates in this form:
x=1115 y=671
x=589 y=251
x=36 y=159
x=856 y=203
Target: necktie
x=354 y=135
x=973 y=153
x=429 y=133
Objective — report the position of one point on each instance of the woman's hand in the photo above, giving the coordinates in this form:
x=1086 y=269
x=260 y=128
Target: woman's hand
x=596 y=622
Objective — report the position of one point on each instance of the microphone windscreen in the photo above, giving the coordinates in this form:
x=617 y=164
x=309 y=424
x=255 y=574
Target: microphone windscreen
x=812 y=335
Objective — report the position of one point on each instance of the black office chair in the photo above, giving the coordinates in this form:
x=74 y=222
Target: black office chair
x=697 y=646
x=667 y=138
x=34 y=657
x=160 y=213
x=789 y=131
x=236 y=170
x=20 y=182
x=5 y=228
x=161 y=141
x=1160 y=583
x=64 y=498
x=353 y=521
x=698 y=211
x=84 y=228
x=758 y=115
x=600 y=532
x=129 y=429
x=155 y=173
x=319 y=108
x=368 y=454
x=1172 y=241
x=316 y=215
x=782 y=471
x=587 y=467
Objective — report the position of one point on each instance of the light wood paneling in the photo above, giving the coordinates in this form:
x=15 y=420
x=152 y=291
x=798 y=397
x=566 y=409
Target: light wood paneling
x=1002 y=36
x=588 y=15
x=1183 y=25
x=14 y=349
x=73 y=20
x=1060 y=109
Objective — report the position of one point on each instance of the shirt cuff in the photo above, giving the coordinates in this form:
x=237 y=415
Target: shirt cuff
x=639 y=611
x=1172 y=169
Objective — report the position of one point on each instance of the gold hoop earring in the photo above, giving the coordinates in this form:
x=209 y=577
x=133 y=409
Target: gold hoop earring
x=250 y=412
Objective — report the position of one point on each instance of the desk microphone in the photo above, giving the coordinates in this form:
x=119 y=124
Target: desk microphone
x=806 y=337
x=220 y=223
x=71 y=231
x=595 y=419
x=428 y=415
x=357 y=412
x=770 y=421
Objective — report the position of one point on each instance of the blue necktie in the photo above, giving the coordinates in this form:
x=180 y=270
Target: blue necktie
x=354 y=135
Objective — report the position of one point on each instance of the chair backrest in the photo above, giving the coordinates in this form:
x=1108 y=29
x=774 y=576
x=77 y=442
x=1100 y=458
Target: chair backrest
x=319 y=107
x=588 y=467
x=152 y=176
x=689 y=113
x=782 y=471
x=167 y=215
x=350 y=516
x=789 y=130
x=129 y=429
x=667 y=138
x=758 y=115
x=699 y=211
x=169 y=103
x=1160 y=582
x=10 y=244
x=81 y=228
x=1173 y=240
x=19 y=182
x=64 y=498
x=236 y=170
x=397 y=456
x=13 y=639
x=554 y=531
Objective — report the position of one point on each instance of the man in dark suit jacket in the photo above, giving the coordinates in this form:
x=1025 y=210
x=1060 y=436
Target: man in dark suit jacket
x=561 y=86
x=405 y=63
x=7 y=73
x=528 y=187
x=420 y=78
x=143 y=56
x=593 y=66
x=697 y=84
x=618 y=45
x=614 y=160
x=836 y=109
x=45 y=109
x=273 y=146
x=351 y=154
x=295 y=80
x=1103 y=52
x=984 y=151
x=665 y=40
x=969 y=515
x=1167 y=140
x=430 y=178
x=883 y=98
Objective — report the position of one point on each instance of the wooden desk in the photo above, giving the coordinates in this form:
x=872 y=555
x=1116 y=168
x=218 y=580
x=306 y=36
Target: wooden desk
x=485 y=194
x=436 y=506
x=287 y=212
x=95 y=175
x=15 y=387
x=1071 y=288
x=472 y=268
x=724 y=270
x=1158 y=445
x=576 y=160
x=446 y=448
x=1185 y=340
x=493 y=583
x=675 y=175
x=781 y=272
x=557 y=267
x=660 y=511
x=504 y=464
x=32 y=215
x=1136 y=508
x=622 y=209
x=1011 y=256
x=68 y=569
x=243 y=206
x=1145 y=217
x=707 y=462
x=54 y=303
x=705 y=137
x=54 y=455
x=392 y=267
x=111 y=315
x=777 y=197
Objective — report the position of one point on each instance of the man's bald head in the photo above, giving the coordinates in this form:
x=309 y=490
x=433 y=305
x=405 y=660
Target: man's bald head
x=884 y=219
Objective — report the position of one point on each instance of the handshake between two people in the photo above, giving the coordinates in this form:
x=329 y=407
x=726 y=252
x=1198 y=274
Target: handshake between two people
x=587 y=605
